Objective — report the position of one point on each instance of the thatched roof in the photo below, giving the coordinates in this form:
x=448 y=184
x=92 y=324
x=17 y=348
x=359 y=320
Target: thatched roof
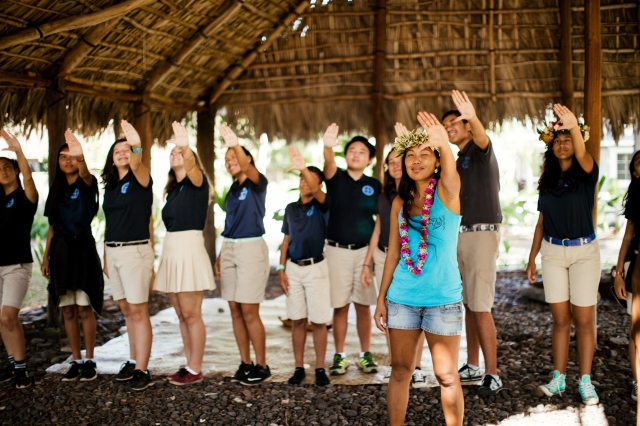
x=314 y=70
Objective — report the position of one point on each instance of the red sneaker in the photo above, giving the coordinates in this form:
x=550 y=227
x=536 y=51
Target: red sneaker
x=187 y=379
x=182 y=372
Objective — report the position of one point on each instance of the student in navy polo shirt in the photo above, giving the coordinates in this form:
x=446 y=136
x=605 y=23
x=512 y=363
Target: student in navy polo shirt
x=354 y=197
x=185 y=269
x=243 y=262
x=306 y=280
x=17 y=209
x=128 y=256
x=70 y=260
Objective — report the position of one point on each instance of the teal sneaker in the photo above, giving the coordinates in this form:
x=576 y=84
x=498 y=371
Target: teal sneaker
x=587 y=391
x=556 y=386
x=339 y=366
x=367 y=364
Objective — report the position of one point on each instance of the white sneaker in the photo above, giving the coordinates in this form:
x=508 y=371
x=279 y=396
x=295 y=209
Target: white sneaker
x=419 y=379
x=387 y=375
x=469 y=374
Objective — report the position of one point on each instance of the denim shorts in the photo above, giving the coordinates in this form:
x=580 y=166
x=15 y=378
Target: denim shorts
x=444 y=320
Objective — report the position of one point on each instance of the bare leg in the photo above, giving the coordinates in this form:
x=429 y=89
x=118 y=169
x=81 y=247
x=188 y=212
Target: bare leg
x=124 y=307
x=299 y=338
x=144 y=335
x=363 y=322
x=473 y=341
x=632 y=357
x=12 y=332
x=340 y=325
x=419 y=350
x=486 y=330
x=585 y=336
x=184 y=330
x=70 y=314
x=561 y=313
x=88 y=328
x=257 y=335
x=320 y=343
x=240 y=332
x=444 y=351
x=403 y=348
x=196 y=336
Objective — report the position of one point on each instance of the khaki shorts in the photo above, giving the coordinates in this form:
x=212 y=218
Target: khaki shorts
x=345 y=267
x=309 y=292
x=477 y=255
x=244 y=271
x=379 y=258
x=130 y=272
x=571 y=273
x=77 y=297
x=14 y=284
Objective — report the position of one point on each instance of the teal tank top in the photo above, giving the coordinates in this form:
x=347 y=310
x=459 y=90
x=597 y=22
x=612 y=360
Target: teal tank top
x=439 y=283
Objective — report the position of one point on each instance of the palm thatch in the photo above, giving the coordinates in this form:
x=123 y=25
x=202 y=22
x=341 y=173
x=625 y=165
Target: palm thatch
x=294 y=66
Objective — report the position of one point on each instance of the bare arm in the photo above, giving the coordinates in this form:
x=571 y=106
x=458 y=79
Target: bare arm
x=27 y=180
x=231 y=142
x=365 y=275
x=393 y=254
x=619 y=283
x=535 y=249
x=297 y=163
x=75 y=150
x=330 y=141
x=188 y=157
x=140 y=171
x=282 y=275
x=570 y=122
x=468 y=112
x=44 y=268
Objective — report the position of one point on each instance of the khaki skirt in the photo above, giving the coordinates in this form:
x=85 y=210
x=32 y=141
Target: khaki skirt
x=184 y=264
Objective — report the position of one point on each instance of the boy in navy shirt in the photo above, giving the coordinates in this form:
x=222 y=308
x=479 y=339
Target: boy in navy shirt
x=306 y=280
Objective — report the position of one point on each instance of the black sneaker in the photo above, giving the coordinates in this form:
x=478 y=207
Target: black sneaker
x=259 y=374
x=490 y=386
x=22 y=379
x=298 y=376
x=126 y=372
x=89 y=371
x=243 y=371
x=321 y=377
x=73 y=373
x=6 y=374
x=141 y=380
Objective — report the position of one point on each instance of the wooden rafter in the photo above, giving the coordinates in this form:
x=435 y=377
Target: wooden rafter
x=192 y=44
x=250 y=57
x=70 y=23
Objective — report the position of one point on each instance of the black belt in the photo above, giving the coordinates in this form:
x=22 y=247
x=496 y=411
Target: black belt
x=310 y=261
x=383 y=248
x=346 y=246
x=136 y=243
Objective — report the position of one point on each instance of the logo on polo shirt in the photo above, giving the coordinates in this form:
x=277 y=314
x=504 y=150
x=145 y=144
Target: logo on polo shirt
x=368 y=190
x=181 y=188
x=10 y=203
x=465 y=164
x=243 y=194
x=75 y=194
x=124 y=188
x=311 y=210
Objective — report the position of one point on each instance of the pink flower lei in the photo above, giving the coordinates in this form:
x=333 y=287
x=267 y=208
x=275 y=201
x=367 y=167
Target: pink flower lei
x=429 y=194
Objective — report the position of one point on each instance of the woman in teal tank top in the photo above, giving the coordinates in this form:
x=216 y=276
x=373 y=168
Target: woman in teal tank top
x=421 y=288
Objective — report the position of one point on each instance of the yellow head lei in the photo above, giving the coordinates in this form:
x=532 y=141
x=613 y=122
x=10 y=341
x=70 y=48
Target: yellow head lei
x=413 y=138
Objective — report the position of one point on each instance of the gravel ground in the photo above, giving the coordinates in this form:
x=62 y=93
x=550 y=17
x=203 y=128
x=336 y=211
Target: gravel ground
x=524 y=361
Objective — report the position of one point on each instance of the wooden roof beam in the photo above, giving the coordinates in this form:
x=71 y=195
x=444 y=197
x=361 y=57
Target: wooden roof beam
x=195 y=41
x=70 y=23
x=236 y=71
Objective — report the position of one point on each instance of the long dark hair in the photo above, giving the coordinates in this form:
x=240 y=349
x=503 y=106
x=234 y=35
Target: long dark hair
x=172 y=181
x=110 y=176
x=631 y=200
x=553 y=177
x=16 y=166
x=388 y=182
x=57 y=187
x=407 y=184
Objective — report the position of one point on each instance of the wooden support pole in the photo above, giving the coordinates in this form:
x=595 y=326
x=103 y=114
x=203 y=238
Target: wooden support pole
x=206 y=121
x=236 y=71
x=377 y=116
x=142 y=123
x=70 y=23
x=593 y=82
x=566 y=56
x=492 y=52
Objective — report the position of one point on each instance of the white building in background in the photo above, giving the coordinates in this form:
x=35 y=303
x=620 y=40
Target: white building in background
x=615 y=158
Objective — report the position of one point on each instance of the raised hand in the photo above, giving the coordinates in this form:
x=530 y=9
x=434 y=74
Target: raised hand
x=438 y=136
x=181 y=138
x=130 y=133
x=297 y=161
x=75 y=149
x=230 y=138
x=12 y=141
x=568 y=119
x=464 y=105
x=401 y=129
x=331 y=135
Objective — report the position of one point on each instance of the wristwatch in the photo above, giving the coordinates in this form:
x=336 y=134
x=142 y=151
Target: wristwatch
x=280 y=268
x=137 y=150
x=615 y=273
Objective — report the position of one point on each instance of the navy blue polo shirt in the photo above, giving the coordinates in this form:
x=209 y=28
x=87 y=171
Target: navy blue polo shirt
x=16 y=219
x=306 y=226
x=186 y=207
x=76 y=207
x=245 y=207
x=353 y=207
x=127 y=210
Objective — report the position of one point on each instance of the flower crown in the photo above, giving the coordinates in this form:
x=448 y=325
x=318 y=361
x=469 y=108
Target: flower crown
x=550 y=131
x=411 y=139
